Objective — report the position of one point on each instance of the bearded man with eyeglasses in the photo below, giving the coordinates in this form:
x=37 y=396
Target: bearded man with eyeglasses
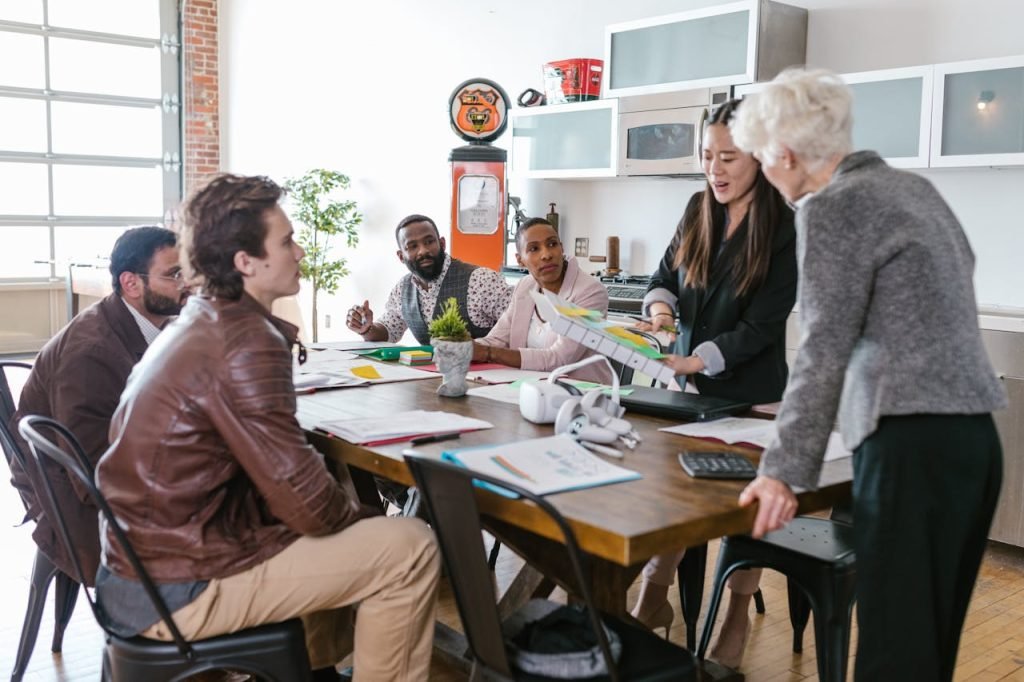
x=79 y=375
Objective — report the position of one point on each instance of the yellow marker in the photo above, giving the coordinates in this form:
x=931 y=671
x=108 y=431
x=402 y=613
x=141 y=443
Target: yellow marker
x=366 y=372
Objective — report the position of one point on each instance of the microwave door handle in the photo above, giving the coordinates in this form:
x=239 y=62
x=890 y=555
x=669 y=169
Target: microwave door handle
x=700 y=133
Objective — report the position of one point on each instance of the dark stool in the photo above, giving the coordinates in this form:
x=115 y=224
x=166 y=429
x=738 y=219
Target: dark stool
x=817 y=557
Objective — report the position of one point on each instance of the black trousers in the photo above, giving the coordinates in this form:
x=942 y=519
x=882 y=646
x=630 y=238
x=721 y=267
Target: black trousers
x=924 y=492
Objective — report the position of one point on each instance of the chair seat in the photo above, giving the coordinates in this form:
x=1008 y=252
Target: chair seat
x=263 y=650
x=646 y=657
x=821 y=539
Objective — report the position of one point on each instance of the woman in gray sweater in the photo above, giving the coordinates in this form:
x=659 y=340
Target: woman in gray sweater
x=890 y=342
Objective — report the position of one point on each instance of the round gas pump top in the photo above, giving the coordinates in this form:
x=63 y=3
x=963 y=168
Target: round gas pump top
x=478 y=109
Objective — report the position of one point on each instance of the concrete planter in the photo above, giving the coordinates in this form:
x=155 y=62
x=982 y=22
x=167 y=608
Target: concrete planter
x=452 y=358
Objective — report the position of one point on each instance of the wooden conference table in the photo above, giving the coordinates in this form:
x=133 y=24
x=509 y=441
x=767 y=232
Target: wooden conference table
x=620 y=526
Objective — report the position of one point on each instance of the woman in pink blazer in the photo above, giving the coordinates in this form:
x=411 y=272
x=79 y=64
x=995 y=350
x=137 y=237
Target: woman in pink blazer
x=521 y=338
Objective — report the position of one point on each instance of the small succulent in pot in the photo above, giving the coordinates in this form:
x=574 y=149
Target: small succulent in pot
x=453 y=349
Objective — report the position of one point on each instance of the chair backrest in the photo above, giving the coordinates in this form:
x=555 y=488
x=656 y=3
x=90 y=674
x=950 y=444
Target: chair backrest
x=448 y=492
x=78 y=466
x=8 y=406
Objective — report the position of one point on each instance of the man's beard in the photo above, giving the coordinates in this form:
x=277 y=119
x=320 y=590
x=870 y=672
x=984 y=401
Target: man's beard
x=428 y=273
x=158 y=304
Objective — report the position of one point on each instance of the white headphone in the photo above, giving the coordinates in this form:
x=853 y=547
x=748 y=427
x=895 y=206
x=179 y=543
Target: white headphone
x=540 y=401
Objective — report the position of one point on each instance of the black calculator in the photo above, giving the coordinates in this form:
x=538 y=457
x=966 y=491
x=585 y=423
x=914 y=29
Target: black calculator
x=717 y=465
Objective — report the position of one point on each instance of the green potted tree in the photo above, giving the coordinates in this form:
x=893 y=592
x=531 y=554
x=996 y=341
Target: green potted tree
x=453 y=349
x=321 y=215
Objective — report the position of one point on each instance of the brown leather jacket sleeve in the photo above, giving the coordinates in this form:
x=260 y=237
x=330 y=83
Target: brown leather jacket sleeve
x=254 y=412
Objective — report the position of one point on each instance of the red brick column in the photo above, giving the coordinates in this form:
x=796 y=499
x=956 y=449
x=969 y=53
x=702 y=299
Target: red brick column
x=201 y=91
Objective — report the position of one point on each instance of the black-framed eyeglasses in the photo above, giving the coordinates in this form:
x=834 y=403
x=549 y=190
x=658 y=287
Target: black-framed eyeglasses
x=178 y=277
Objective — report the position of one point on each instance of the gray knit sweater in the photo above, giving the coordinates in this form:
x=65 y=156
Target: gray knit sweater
x=887 y=312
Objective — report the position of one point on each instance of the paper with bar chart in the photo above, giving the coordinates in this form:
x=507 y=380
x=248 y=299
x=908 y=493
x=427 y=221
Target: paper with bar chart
x=587 y=327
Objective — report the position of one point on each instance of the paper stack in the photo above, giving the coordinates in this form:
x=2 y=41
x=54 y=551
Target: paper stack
x=395 y=428
x=754 y=433
x=415 y=357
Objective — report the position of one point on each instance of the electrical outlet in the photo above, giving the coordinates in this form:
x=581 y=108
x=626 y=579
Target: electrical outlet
x=327 y=321
x=582 y=247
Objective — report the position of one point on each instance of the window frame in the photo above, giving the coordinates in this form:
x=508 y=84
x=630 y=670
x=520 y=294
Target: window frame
x=170 y=105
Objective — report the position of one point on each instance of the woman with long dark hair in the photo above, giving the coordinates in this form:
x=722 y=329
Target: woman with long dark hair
x=726 y=284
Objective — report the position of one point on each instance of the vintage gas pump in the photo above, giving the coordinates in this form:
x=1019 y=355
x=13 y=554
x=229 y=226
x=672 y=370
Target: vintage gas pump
x=479 y=114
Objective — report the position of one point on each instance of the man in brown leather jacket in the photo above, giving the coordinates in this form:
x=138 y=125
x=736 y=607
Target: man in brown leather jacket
x=79 y=374
x=232 y=512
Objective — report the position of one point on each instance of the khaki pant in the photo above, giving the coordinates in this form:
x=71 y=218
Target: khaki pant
x=388 y=566
x=661 y=570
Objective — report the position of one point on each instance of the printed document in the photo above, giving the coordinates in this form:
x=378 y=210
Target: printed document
x=541 y=465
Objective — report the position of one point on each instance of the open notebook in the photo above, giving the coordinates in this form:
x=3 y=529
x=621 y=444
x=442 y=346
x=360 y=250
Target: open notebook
x=541 y=465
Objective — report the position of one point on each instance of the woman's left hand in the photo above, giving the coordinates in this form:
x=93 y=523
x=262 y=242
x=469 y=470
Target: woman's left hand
x=688 y=364
x=776 y=504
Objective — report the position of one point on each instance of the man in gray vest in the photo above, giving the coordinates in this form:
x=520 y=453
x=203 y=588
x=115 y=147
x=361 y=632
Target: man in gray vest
x=433 y=278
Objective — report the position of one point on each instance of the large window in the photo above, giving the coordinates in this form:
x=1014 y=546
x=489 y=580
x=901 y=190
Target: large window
x=90 y=128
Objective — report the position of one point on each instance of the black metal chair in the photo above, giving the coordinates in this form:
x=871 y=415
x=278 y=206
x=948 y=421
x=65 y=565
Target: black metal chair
x=275 y=653
x=690 y=578
x=817 y=557
x=43 y=570
x=448 y=492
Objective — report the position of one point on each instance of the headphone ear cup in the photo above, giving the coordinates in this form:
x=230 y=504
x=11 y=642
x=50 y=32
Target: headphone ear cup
x=569 y=410
x=597 y=400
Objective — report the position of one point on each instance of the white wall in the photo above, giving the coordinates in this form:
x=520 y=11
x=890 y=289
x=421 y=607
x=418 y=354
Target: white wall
x=362 y=87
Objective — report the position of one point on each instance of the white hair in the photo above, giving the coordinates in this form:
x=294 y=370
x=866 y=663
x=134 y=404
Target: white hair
x=807 y=111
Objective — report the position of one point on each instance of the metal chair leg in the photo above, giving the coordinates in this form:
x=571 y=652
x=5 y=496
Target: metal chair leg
x=690 y=575
x=43 y=572
x=64 y=605
x=759 y=601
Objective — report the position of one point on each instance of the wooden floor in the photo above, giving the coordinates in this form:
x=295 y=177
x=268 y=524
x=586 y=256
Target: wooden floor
x=992 y=646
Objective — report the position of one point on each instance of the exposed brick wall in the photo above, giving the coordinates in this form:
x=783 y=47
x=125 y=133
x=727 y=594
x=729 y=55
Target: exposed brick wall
x=201 y=91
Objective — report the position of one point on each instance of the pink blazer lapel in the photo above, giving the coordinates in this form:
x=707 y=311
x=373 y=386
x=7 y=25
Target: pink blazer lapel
x=523 y=305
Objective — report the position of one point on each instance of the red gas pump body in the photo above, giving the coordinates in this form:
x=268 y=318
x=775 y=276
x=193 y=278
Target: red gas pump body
x=478 y=109
x=479 y=202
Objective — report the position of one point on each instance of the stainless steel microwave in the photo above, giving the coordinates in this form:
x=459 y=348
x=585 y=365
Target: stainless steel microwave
x=661 y=134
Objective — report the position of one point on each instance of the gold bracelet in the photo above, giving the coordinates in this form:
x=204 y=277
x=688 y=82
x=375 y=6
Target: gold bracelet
x=488 y=359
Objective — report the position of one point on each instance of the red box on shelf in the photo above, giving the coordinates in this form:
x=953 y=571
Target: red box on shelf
x=573 y=80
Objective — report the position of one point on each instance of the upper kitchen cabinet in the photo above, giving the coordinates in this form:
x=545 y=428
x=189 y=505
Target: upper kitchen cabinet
x=577 y=140
x=740 y=42
x=892 y=112
x=979 y=113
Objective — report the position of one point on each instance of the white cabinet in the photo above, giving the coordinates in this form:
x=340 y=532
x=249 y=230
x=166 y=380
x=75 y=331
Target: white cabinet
x=892 y=112
x=979 y=113
x=739 y=42
x=578 y=140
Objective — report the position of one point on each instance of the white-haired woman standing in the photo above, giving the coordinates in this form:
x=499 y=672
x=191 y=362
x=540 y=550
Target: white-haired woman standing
x=890 y=341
